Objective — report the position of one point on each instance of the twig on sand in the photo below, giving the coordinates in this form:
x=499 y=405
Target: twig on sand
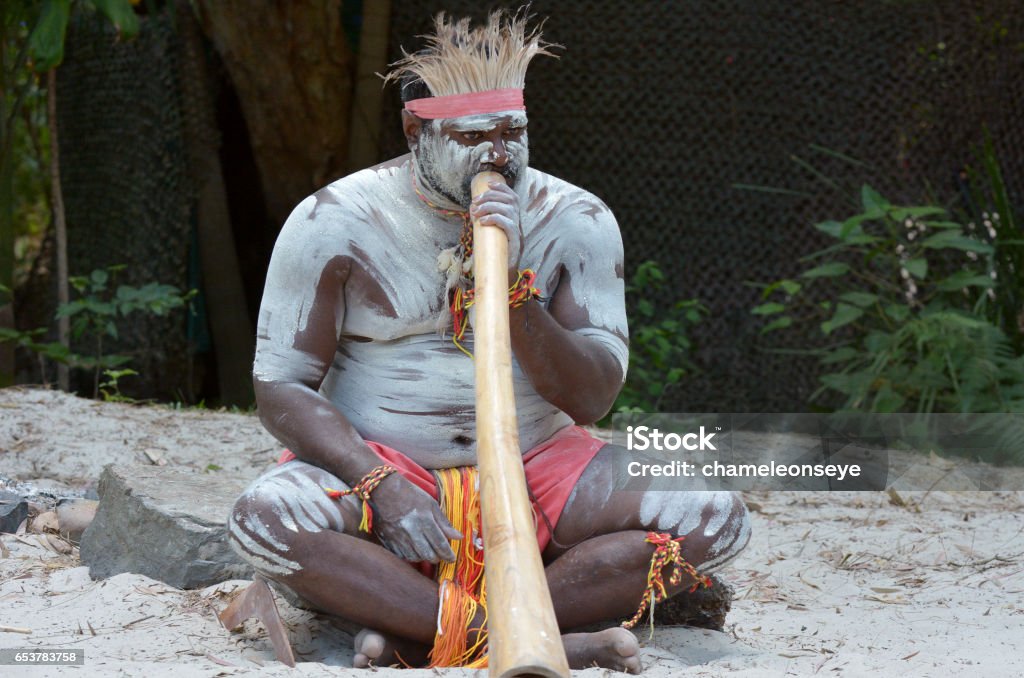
x=13 y=629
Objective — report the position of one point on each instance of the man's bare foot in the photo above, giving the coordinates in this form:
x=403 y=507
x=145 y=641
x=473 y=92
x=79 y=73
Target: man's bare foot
x=379 y=649
x=614 y=648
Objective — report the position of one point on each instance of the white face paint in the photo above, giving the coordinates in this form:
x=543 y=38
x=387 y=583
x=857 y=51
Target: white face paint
x=446 y=167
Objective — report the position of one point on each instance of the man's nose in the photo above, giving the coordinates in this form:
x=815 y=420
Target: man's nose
x=499 y=154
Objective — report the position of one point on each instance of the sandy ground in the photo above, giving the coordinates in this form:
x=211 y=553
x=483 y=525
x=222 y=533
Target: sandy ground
x=920 y=584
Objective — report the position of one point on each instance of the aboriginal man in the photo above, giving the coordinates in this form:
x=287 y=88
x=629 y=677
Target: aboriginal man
x=362 y=372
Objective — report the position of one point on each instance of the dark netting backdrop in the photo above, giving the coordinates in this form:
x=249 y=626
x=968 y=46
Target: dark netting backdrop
x=663 y=108
x=125 y=180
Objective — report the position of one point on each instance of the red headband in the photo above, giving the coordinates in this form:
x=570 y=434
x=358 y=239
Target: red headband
x=473 y=103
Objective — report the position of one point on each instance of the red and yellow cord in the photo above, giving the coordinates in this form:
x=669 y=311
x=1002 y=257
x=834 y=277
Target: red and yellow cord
x=366 y=485
x=667 y=551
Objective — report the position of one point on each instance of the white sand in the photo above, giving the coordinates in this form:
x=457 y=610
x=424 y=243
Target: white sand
x=831 y=584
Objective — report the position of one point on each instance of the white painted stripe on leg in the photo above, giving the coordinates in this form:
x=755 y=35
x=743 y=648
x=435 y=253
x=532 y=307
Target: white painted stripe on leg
x=260 y=557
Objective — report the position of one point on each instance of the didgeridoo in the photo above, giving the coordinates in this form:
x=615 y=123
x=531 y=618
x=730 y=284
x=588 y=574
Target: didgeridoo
x=523 y=635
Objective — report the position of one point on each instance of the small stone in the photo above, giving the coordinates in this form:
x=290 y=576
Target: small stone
x=74 y=516
x=13 y=511
x=44 y=522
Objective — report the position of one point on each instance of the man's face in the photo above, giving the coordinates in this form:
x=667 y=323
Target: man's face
x=450 y=152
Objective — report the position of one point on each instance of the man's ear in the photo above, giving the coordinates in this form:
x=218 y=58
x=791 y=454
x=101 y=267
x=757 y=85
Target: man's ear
x=412 y=126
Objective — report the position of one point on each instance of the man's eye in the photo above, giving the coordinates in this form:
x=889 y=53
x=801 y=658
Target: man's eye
x=471 y=136
x=514 y=131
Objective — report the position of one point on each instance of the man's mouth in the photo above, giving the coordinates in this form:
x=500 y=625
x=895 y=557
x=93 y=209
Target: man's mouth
x=507 y=171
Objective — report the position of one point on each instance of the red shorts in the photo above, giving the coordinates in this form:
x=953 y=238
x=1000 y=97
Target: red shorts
x=552 y=470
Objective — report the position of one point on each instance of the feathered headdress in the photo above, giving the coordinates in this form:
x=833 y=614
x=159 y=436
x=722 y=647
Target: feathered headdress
x=473 y=70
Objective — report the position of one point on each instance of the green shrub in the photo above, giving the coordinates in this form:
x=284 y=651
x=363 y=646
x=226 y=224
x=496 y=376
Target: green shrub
x=912 y=315
x=93 y=316
x=659 y=344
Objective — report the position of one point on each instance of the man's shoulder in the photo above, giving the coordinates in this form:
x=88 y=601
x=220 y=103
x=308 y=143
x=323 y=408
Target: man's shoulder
x=546 y=196
x=550 y=187
x=355 y=192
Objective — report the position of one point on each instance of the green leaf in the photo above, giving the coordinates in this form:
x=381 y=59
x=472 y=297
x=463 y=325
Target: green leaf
x=121 y=14
x=840 y=355
x=957 y=241
x=917 y=268
x=769 y=309
x=960 y=320
x=777 y=324
x=962 y=279
x=99 y=279
x=874 y=204
x=46 y=43
x=887 y=400
x=844 y=315
x=790 y=287
x=901 y=213
x=69 y=309
x=832 y=228
x=829 y=270
x=897 y=312
x=861 y=299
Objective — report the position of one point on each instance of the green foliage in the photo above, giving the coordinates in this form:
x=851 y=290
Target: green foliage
x=659 y=351
x=93 y=317
x=912 y=308
x=46 y=41
x=110 y=390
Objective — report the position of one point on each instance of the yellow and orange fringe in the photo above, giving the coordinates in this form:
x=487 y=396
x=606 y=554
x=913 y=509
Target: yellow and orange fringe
x=461 y=584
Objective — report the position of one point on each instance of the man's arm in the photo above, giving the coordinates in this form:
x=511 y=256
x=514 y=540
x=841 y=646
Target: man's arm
x=300 y=322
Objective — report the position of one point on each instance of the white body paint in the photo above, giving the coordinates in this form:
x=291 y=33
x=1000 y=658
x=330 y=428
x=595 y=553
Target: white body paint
x=396 y=380
x=722 y=514
x=293 y=502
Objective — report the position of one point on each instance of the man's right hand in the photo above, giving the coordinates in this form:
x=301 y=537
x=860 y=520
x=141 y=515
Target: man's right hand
x=409 y=523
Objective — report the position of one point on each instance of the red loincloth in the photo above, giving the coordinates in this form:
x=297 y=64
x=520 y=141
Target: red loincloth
x=552 y=470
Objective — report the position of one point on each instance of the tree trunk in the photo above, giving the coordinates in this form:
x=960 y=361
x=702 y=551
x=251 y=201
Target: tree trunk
x=364 y=140
x=230 y=325
x=59 y=224
x=6 y=209
x=292 y=69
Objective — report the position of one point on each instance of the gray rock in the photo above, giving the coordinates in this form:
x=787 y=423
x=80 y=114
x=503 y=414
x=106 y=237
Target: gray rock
x=13 y=510
x=164 y=523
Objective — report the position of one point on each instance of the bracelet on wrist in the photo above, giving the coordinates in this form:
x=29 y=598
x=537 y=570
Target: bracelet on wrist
x=366 y=485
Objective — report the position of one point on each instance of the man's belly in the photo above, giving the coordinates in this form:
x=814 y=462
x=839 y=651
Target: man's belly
x=416 y=394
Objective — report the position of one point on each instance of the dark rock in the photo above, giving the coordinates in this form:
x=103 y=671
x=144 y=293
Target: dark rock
x=164 y=523
x=13 y=510
x=704 y=608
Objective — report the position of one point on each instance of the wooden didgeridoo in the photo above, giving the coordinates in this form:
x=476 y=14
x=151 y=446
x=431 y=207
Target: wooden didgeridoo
x=523 y=635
